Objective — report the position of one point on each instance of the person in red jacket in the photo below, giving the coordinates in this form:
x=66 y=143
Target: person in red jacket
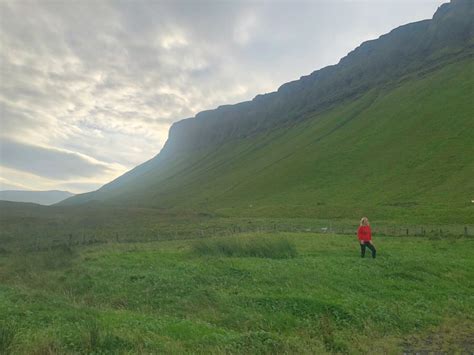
x=365 y=237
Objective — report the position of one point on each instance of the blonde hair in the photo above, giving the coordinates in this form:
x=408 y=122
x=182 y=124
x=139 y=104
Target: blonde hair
x=364 y=221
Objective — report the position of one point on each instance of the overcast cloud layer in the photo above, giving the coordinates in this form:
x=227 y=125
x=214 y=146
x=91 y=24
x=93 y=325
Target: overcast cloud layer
x=90 y=88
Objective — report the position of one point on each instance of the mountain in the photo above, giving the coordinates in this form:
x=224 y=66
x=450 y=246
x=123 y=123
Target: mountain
x=387 y=131
x=40 y=197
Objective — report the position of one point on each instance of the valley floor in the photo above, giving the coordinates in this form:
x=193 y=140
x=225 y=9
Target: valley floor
x=208 y=296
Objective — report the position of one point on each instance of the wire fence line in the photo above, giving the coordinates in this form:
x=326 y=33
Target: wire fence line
x=44 y=241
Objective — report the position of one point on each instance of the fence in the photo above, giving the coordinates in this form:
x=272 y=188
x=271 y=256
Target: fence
x=84 y=238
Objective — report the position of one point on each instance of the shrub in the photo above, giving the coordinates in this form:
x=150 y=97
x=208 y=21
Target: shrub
x=259 y=247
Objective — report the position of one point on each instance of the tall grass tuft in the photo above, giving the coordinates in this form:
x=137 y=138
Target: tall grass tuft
x=59 y=257
x=329 y=335
x=7 y=338
x=100 y=341
x=259 y=247
x=94 y=337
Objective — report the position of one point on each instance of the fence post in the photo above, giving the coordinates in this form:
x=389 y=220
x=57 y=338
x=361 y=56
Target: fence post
x=407 y=232
x=465 y=232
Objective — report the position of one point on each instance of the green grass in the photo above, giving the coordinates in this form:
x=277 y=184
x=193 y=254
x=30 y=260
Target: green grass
x=166 y=297
x=400 y=153
x=7 y=337
x=259 y=247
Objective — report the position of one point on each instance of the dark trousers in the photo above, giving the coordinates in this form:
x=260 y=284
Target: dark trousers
x=364 y=245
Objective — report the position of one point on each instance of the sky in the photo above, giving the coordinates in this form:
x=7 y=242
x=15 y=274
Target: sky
x=89 y=89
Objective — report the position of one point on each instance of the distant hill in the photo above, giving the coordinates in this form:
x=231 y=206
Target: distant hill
x=388 y=131
x=40 y=197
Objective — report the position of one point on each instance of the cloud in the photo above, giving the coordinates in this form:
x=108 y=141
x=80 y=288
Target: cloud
x=21 y=180
x=50 y=162
x=97 y=84
x=6 y=184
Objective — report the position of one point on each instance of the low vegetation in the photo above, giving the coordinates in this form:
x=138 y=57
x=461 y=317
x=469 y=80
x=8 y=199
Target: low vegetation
x=7 y=337
x=259 y=247
x=296 y=292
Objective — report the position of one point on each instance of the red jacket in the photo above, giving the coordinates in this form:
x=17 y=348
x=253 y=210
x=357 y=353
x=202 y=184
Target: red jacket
x=364 y=233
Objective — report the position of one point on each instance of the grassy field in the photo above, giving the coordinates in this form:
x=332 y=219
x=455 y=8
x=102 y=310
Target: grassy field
x=252 y=293
x=33 y=227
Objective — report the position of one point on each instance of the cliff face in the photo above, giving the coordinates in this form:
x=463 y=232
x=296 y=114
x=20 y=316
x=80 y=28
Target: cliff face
x=386 y=59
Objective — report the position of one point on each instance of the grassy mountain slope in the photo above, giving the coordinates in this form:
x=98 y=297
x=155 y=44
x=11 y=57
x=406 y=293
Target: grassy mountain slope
x=398 y=152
